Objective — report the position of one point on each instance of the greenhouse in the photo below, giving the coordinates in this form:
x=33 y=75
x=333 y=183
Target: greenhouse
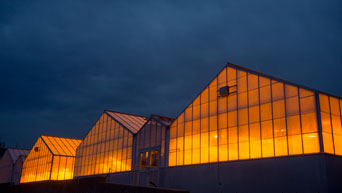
x=51 y=158
x=108 y=147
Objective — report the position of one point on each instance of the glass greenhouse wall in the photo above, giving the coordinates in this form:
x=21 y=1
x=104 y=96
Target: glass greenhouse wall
x=331 y=111
x=255 y=116
x=108 y=147
x=51 y=158
x=151 y=140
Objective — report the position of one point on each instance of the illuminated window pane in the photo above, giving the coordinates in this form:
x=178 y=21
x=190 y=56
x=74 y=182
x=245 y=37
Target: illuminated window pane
x=180 y=143
x=307 y=105
x=305 y=93
x=338 y=144
x=292 y=106
x=336 y=123
x=279 y=127
x=196 y=127
x=266 y=111
x=196 y=159
x=243 y=133
x=196 y=141
x=223 y=153
x=188 y=114
x=213 y=154
x=242 y=100
x=213 y=93
x=252 y=81
x=233 y=151
x=263 y=81
x=232 y=119
x=326 y=122
x=324 y=103
x=295 y=144
x=204 y=125
x=253 y=97
x=188 y=128
x=213 y=138
x=232 y=135
x=266 y=130
x=187 y=142
x=172 y=145
x=277 y=91
x=180 y=131
x=222 y=76
x=241 y=73
x=254 y=114
x=213 y=108
x=291 y=91
x=204 y=96
x=172 y=159
x=222 y=106
x=196 y=112
x=231 y=73
x=243 y=150
x=205 y=155
x=309 y=122
x=278 y=109
x=334 y=106
x=280 y=144
x=310 y=143
x=213 y=123
x=223 y=120
x=254 y=131
x=328 y=143
x=242 y=84
x=223 y=134
x=232 y=102
x=267 y=148
x=255 y=149
x=204 y=140
x=180 y=158
x=204 y=110
x=243 y=116
x=265 y=94
x=187 y=157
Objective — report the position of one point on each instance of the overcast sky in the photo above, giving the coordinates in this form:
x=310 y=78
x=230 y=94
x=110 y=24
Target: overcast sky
x=63 y=62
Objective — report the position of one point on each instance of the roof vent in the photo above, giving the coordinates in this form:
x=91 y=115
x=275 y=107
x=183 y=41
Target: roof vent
x=224 y=91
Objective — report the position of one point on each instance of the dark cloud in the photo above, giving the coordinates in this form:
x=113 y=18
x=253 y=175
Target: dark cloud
x=63 y=62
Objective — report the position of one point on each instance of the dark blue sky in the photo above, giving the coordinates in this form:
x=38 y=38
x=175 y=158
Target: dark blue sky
x=63 y=62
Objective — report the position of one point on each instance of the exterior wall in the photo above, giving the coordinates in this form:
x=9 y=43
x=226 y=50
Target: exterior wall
x=307 y=173
x=151 y=136
x=107 y=148
x=18 y=166
x=331 y=112
x=6 y=168
x=261 y=117
x=37 y=166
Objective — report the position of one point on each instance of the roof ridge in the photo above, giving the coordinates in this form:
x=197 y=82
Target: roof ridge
x=125 y=113
x=61 y=137
x=228 y=64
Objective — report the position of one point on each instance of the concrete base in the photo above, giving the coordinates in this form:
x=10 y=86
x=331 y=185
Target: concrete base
x=309 y=173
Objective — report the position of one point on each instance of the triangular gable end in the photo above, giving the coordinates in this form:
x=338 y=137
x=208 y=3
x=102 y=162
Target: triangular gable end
x=235 y=98
x=132 y=123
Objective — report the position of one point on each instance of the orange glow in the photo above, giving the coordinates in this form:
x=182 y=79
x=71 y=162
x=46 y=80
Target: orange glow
x=264 y=118
x=51 y=158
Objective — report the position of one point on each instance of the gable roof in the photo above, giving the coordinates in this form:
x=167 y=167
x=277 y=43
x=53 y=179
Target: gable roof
x=131 y=122
x=166 y=121
x=237 y=67
x=60 y=145
x=15 y=153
